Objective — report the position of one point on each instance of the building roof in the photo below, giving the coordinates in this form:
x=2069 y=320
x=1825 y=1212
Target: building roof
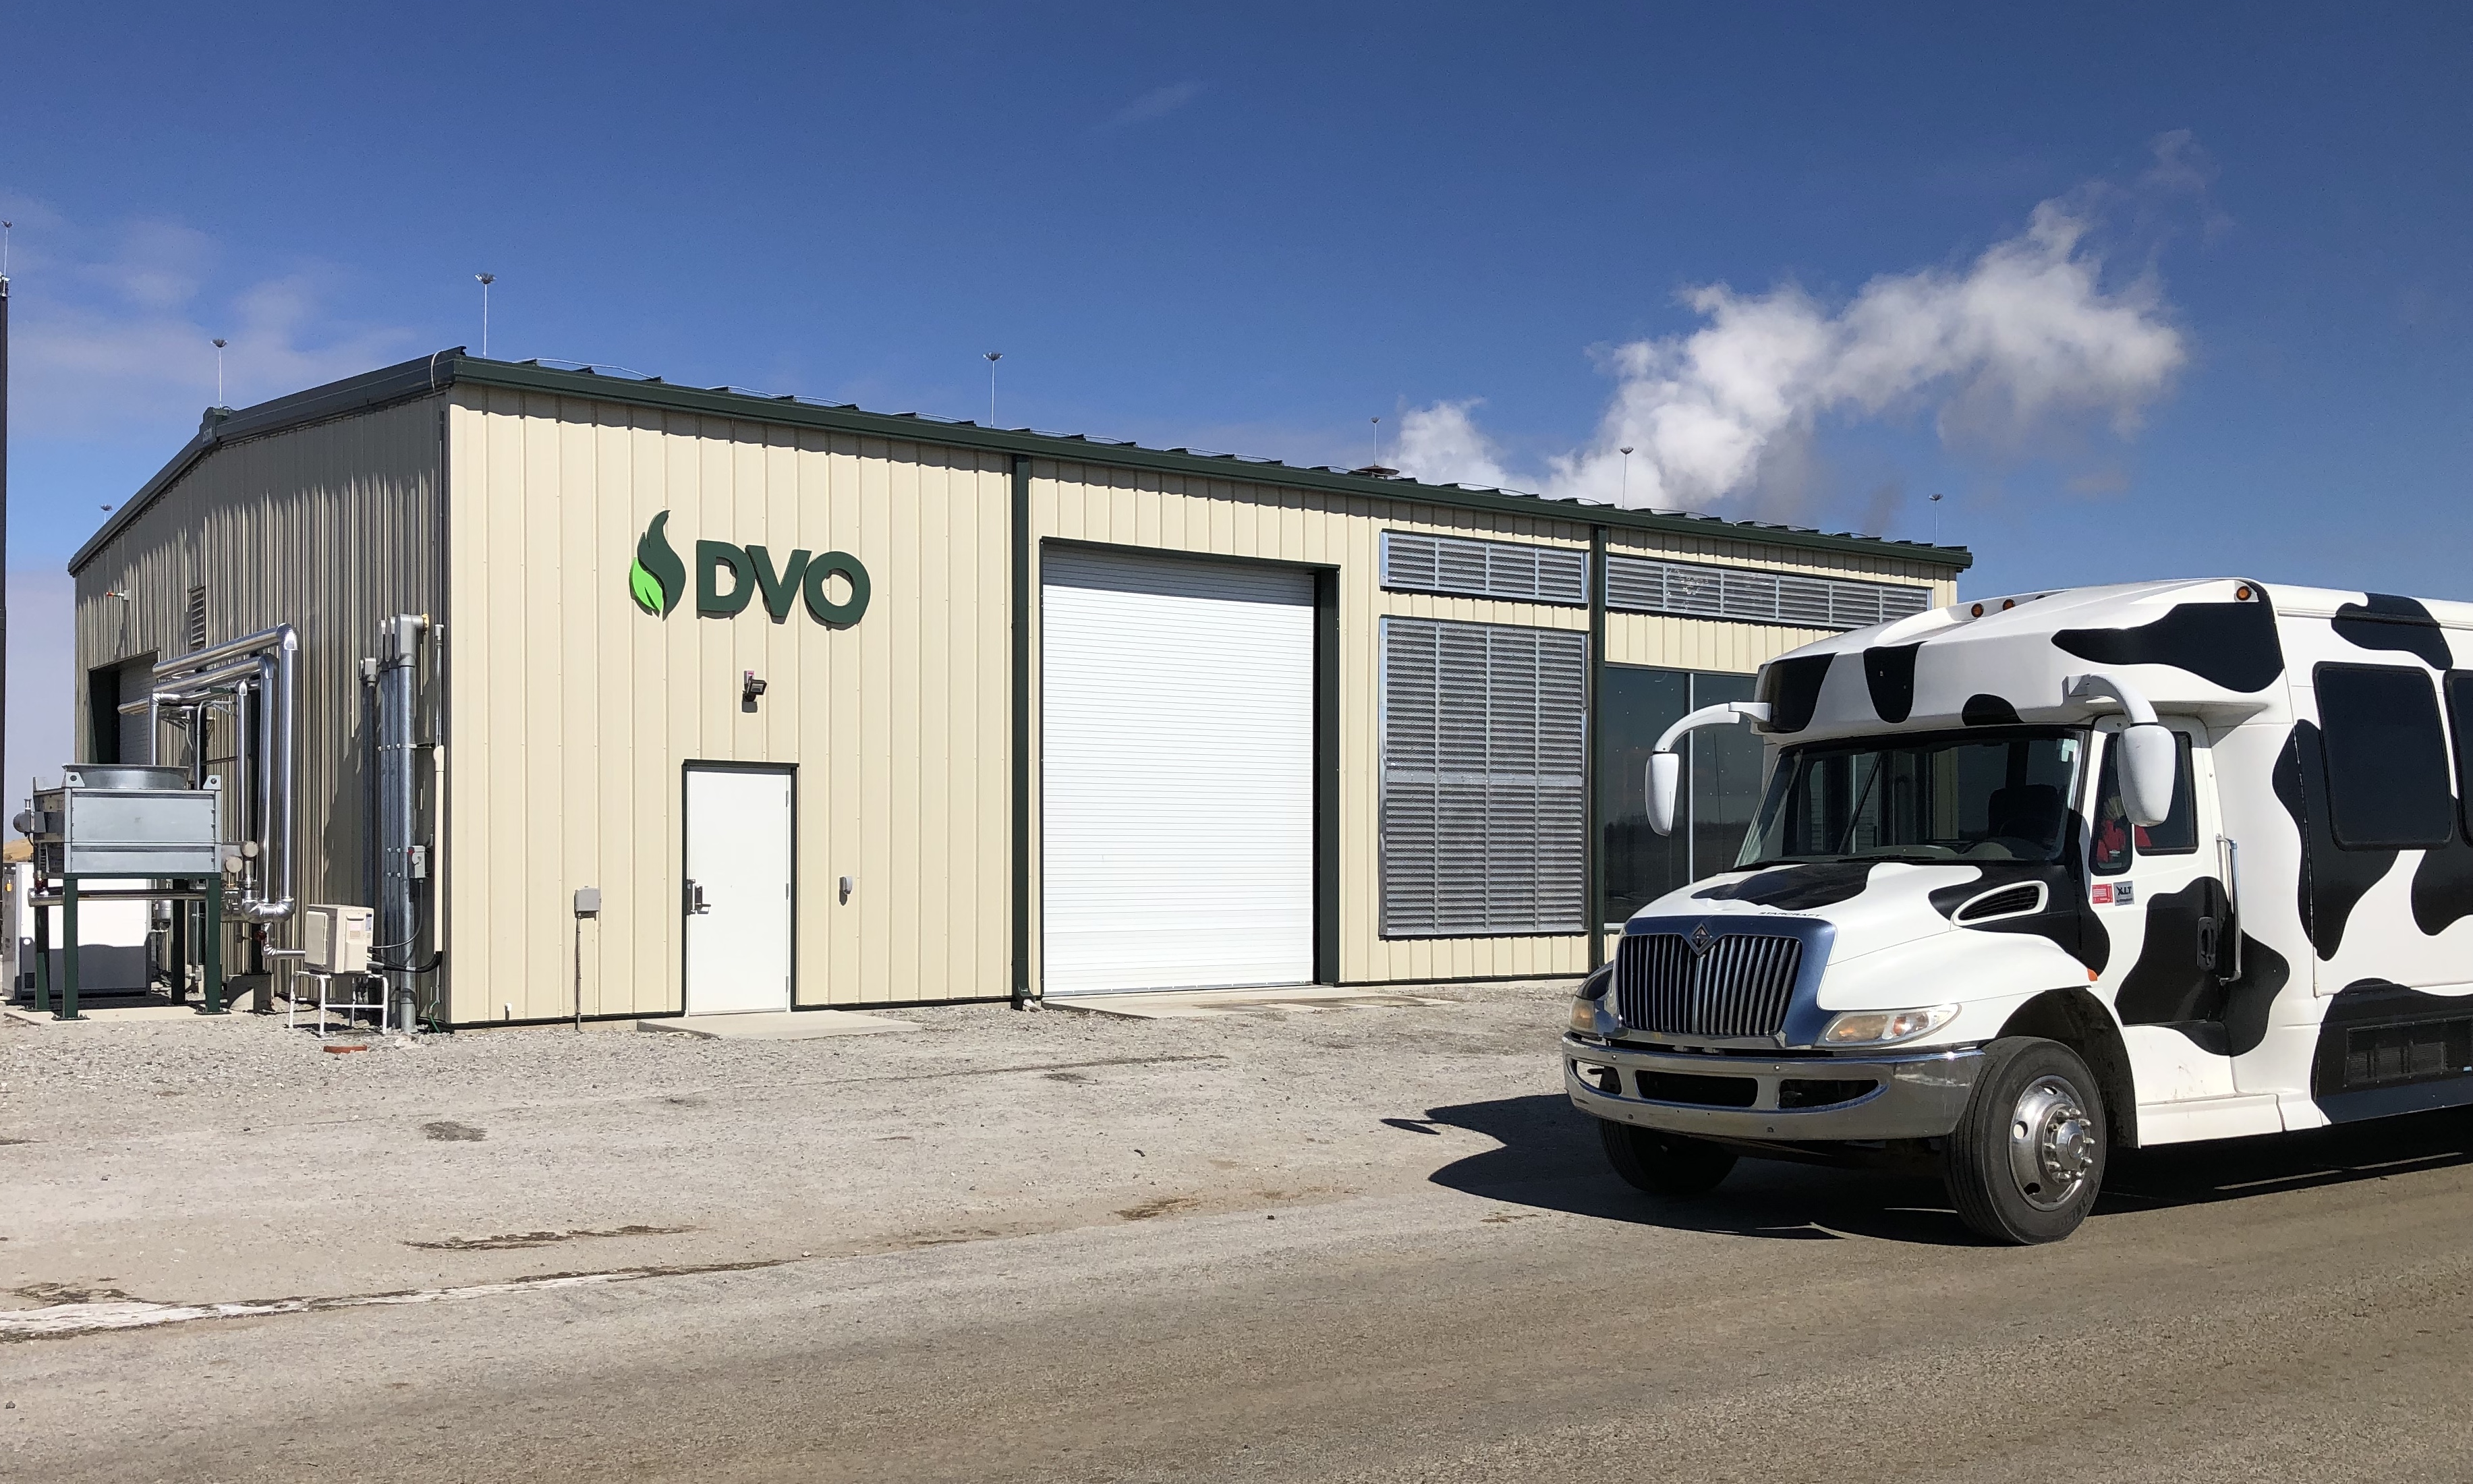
x=436 y=373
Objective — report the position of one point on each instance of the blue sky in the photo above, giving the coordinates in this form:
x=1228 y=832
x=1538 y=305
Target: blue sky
x=1255 y=228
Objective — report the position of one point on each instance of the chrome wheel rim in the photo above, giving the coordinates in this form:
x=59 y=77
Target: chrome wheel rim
x=2052 y=1143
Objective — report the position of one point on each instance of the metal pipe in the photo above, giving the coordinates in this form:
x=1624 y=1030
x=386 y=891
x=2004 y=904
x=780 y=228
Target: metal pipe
x=282 y=634
x=186 y=688
x=112 y=894
x=398 y=686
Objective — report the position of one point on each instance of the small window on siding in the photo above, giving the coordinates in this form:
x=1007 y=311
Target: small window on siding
x=1417 y=562
x=1690 y=589
x=1482 y=757
x=2387 y=758
x=194 y=623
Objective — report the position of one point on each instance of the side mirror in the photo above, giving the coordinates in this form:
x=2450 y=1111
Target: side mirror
x=1665 y=783
x=2148 y=756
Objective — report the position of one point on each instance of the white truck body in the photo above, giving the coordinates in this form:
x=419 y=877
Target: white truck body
x=1942 y=834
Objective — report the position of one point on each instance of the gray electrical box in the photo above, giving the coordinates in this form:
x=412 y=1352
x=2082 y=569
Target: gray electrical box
x=113 y=820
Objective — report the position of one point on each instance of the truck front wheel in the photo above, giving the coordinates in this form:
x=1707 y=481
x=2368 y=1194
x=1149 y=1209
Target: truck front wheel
x=2026 y=1161
x=1664 y=1164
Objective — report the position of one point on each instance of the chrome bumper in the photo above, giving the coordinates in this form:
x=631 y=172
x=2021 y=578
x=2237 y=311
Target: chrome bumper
x=1915 y=1095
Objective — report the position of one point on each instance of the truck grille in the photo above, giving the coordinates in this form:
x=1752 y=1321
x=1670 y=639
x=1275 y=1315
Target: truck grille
x=1739 y=988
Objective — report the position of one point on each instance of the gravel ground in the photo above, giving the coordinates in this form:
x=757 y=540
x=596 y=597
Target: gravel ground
x=196 y=1160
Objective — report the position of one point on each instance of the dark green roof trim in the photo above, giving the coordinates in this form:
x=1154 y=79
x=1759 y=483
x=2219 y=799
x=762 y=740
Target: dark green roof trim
x=447 y=368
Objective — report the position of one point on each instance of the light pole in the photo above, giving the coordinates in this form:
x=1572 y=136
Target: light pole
x=993 y=357
x=1377 y=442
x=1627 y=485
x=486 y=280
x=220 y=343
x=1935 y=505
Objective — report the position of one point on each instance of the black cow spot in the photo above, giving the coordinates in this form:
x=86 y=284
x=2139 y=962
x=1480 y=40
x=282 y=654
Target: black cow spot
x=2442 y=886
x=2067 y=920
x=2384 y=1048
x=1797 y=888
x=1791 y=687
x=2248 y=998
x=2332 y=879
x=1981 y=711
x=2168 y=984
x=2228 y=644
x=2384 y=621
x=1889 y=673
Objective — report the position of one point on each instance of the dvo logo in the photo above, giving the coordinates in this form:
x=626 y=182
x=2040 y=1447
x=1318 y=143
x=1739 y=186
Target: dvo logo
x=658 y=580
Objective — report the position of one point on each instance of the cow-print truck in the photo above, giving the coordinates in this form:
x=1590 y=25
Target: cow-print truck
x=1949 y=941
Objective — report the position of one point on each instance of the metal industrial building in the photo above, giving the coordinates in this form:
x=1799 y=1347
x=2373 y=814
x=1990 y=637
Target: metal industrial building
x=835 y=708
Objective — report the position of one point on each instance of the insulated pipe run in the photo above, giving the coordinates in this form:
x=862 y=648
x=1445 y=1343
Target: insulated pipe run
x=270 y=659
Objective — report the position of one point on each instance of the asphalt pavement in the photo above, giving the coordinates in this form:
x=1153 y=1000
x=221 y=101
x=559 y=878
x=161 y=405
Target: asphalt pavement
x=1404 y=1261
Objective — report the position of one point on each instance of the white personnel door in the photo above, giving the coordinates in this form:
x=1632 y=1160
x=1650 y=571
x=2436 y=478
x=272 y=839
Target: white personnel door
x=738 y=882
x=1177 y=773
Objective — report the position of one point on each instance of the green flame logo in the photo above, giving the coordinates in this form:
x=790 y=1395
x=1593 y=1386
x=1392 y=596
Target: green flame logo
x=658 y=579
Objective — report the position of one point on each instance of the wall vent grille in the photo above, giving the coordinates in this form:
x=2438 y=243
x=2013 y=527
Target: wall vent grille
x=1417 y=562
x=1690 y=589
x=1483 y=730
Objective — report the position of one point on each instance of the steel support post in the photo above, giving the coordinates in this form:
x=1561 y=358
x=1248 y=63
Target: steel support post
x=42 y=958
x=214 y=947
x=69 y=1010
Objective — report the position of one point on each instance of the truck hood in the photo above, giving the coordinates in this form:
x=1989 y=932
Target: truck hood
x=1873 y=904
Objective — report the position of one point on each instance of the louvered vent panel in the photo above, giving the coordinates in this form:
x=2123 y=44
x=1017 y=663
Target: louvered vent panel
x=1483 y=738
x=1417 y=562
x=1690 y=589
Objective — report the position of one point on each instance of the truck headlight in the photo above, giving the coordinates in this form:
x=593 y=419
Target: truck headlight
x=1590 y=1001
x=1883 y=1027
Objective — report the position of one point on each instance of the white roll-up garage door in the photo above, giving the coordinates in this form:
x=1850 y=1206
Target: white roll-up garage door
x=1177 y=773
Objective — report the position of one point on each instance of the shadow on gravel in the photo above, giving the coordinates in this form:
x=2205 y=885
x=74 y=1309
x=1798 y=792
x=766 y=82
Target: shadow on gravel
x=1549 y=1160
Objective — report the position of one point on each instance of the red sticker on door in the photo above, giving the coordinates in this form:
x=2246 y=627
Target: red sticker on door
x=2100 y=894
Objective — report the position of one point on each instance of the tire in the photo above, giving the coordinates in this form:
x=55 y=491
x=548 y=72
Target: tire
x=2026 y=1161
x=1668 y=1165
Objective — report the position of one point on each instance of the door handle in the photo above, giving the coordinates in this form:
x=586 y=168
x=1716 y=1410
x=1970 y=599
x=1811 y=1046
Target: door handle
x=697 y=906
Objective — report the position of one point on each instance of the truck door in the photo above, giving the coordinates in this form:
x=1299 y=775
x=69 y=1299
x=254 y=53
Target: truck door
x=2159 y=893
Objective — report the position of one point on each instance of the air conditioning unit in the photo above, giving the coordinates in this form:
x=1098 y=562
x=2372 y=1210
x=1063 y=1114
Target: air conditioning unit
x=335 y=940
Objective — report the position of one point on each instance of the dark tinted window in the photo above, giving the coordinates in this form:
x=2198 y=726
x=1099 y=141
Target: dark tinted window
x=2387 y=758
x=1722 y=790
x=2459 y=721
x=1929 y=797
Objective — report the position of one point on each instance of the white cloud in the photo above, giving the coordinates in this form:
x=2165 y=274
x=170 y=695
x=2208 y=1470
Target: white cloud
x=1158 y=103
x=115 y=337
x=2026 y=339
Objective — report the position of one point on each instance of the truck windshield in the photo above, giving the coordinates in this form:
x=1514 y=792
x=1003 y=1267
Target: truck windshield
x=1948 y=796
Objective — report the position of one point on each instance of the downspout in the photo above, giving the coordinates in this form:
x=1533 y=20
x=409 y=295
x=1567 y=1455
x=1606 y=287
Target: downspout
x=1593 y=865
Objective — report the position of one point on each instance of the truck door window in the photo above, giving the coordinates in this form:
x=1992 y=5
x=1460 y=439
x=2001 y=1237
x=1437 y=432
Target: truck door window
x=2387 y=758
x=2116 y=841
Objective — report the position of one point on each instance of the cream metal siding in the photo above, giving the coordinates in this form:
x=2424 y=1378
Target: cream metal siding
x=328 y=527
x=1089 y=502
x=575 y=711
x=1095 y=503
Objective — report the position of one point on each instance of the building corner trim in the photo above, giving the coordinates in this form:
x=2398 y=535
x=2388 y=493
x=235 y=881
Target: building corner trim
x=1018 y=527
x=1593 y=866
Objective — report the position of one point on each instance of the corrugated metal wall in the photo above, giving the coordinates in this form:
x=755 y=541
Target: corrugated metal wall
x=329 y=528
x=1135 y=508
x=573 y=710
